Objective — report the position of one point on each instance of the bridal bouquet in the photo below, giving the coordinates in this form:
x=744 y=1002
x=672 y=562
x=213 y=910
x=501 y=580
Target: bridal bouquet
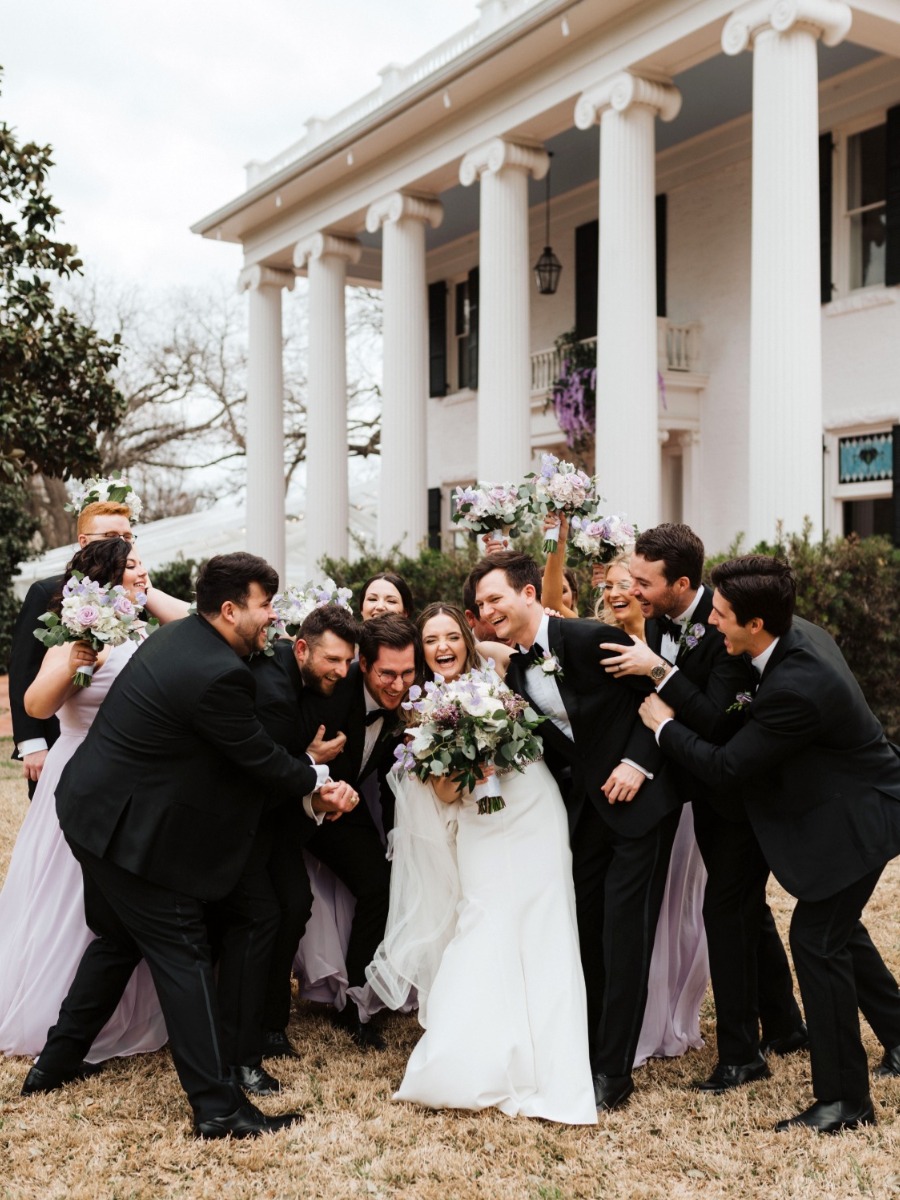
x=101 y=616
x=116 y=489
x=489 y=506
x=294 y=604
x=600 y=538
x=561 y=488
x=470 y=722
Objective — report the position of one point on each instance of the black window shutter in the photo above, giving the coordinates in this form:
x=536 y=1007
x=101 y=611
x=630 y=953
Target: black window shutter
x=587 y=244
x=472 y=348
x=661 y=249
x=826 y=158
x=437 y=339
x=892 y=247
x=434 y=518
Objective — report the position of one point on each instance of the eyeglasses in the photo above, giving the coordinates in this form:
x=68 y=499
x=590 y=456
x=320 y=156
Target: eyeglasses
x=393 y=676
x=105 y=537
x=621 y=585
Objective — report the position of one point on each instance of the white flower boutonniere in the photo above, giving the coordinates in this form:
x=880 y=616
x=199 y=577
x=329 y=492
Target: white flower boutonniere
x=691 y=636
x=551 y=665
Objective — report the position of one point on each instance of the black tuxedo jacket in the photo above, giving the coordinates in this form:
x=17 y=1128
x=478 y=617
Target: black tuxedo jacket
x=25 y=658
x=704 y=688
x=820 y=781
x=603 y=714
x=160 y=784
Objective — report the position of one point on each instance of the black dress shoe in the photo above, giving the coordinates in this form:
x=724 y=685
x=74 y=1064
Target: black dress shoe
x=890 y=1063
x=726 y=1076
x=246 y=1121
x=364 y=1033
x=789 y=1044
x=37 y=1081
x=277 y=1045
x=831 y=1116
x=611 y=1091
x=256 y=1080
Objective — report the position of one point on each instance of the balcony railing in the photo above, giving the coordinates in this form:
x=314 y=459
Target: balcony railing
x=678 y=349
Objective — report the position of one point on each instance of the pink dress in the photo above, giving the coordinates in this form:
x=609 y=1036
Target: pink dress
x=42 y=927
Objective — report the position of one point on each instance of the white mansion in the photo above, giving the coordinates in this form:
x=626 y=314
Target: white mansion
x=725 y=206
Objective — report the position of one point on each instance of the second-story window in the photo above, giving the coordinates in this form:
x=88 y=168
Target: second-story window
x=866 y=206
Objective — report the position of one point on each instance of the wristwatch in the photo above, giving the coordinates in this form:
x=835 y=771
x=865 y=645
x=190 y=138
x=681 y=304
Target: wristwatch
x=659 y=672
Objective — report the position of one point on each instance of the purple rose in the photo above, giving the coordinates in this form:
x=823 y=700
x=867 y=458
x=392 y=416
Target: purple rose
x=88 y=616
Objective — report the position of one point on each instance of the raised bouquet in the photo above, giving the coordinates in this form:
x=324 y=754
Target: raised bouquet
x=488 y=506
x=294 y=604
x=468 y=723
x=600 y=538
x=560 y=487
x=101 y=616
x=116 y=489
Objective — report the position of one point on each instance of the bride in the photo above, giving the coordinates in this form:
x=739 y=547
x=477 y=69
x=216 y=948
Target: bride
x=482 y=924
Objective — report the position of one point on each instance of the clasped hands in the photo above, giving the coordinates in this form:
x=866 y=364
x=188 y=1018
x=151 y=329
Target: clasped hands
x=335 y=797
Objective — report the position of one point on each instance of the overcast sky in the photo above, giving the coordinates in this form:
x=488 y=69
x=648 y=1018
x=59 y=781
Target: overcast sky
x=154 y=106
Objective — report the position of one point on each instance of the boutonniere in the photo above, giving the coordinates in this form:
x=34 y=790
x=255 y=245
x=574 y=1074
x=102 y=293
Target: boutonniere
x=741 y=701
x=551 y=665
x=691 y=636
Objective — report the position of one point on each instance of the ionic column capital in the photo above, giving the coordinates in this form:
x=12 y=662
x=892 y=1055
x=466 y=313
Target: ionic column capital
x=399 y=205
x=623 y=91
x=828 y=19
x=251 y=279
x=496 y=154
x=326 y=245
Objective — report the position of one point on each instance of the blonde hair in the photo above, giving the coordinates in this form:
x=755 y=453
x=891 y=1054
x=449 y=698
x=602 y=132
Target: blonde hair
x=101 y=508
x=602 y=610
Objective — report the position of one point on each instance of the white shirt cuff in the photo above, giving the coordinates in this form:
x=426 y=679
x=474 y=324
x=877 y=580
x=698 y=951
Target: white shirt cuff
x=637 y=766
x=31 y=746
x=662 y=683
x=322 y=776
x=661 y=726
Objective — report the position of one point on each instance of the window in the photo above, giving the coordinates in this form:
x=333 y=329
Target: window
x=866 y=206
x=466 y=331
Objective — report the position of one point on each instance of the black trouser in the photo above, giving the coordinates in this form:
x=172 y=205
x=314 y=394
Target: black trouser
x=287 y=871
x=619 y=888
x=840 y=972
x=353 y=850
x=749 y=970
x=136 y=919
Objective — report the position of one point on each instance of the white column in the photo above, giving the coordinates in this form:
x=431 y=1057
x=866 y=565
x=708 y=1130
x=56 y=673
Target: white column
x=627 y=444
x=505 y=285
x=403 y=499
x=785 y=419
x=265 y=414
x=327 y=501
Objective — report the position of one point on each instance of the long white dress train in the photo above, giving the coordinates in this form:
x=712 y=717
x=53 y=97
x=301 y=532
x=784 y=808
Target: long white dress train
x=489 y=938
x=42 y=927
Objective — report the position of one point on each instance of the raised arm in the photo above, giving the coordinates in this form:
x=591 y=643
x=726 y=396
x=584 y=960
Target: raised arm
x=552 y=586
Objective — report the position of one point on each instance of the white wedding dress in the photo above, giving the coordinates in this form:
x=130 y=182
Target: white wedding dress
x=482 y=923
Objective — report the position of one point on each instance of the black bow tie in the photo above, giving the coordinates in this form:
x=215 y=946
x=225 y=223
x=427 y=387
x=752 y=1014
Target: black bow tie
x=672 y=628
x=531 y=657
x=376 y=714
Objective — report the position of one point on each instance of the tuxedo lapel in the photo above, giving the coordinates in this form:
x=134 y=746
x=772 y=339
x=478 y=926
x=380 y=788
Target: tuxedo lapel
x=700 y=617
x=557 y=646
x=653 y=634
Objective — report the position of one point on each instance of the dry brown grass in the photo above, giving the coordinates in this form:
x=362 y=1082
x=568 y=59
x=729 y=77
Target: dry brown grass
x=126 y=1133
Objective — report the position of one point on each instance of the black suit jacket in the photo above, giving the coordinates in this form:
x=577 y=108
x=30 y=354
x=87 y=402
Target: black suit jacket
x=603 y=714
x=160 y=784
x=820 y=781
x=703 y=689
x=25 y=658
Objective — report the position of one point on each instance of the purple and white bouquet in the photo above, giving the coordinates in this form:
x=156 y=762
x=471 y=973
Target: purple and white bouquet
x=467 y=723
x=115 y=489
x=492 y=506
x=93 y=613
x=560 y=487
x=294 y=604
x=600 y=538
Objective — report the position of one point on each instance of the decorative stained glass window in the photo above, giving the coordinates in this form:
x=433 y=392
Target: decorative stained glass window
x=865 y=458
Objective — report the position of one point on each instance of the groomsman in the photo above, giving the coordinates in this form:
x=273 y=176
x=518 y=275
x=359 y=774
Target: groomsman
x=686 y=658
x=366 y=707
x=622 y=814
x=821 y=785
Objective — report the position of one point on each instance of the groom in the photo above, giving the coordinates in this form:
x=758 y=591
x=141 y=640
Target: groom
x=622 y=813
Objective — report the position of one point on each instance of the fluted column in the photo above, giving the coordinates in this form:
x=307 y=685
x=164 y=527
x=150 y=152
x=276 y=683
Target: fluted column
x=403 y=500
x=327 y=500
x=785 y=426
x=627 y=453
x=265 y=414
x=504 y=359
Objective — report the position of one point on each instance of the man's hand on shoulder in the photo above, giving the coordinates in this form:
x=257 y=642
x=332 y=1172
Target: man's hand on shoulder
x=637 y=659
x=334 y=799
x=322 y=749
